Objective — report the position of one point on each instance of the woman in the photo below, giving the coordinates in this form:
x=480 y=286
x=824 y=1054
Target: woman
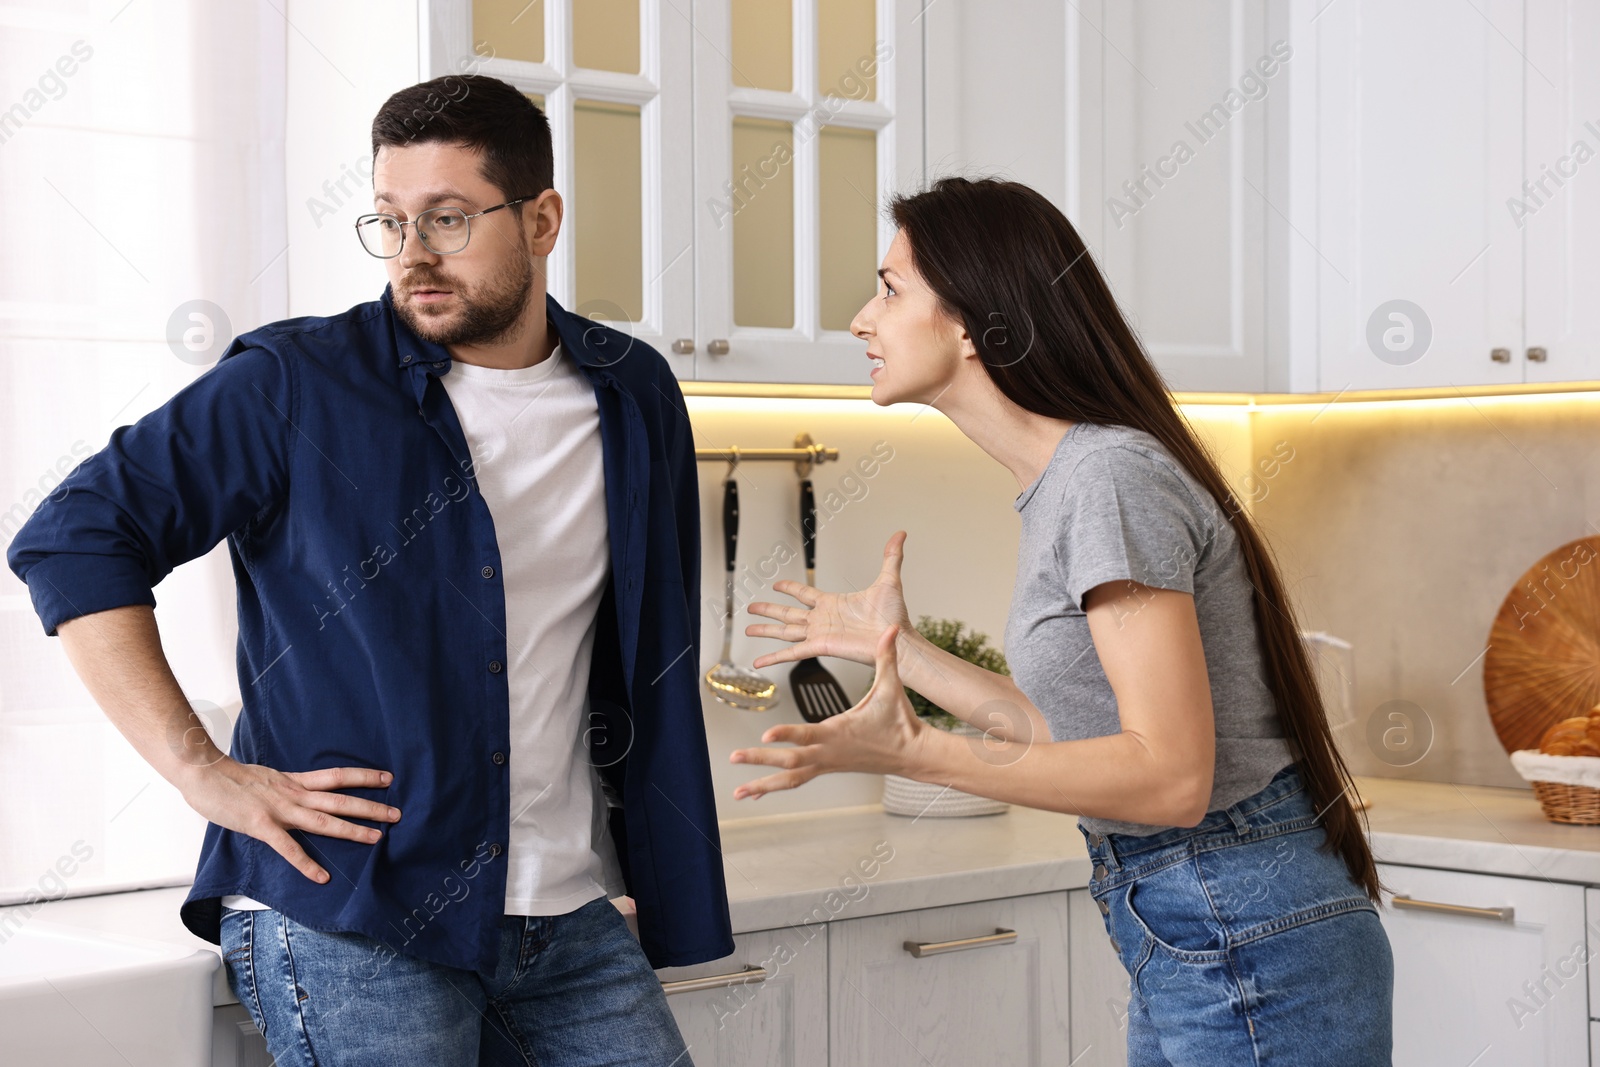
x=1160 y=690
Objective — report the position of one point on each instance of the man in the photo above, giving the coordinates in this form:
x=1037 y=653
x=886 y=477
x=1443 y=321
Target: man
x=464 y=525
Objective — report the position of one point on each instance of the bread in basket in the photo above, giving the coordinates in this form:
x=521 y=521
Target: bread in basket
x=1565 y=769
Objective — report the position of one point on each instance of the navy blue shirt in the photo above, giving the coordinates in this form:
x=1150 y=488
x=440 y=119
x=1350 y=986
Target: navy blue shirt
x=372 y=621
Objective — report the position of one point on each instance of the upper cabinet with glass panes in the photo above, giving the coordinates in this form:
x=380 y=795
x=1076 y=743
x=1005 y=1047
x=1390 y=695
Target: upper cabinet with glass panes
x=725 y=164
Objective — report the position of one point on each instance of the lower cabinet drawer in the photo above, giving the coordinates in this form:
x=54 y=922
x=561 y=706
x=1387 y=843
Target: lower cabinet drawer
x=1100 y=990
x=1488 y=970
x=766 y=1005
x=980 y=983
x=235 y=1041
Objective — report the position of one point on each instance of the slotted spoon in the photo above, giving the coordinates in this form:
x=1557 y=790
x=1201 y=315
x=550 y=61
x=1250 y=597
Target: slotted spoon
x=818 y=693
x=729 y=682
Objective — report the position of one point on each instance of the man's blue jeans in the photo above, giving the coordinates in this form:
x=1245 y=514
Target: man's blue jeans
x=572 y=990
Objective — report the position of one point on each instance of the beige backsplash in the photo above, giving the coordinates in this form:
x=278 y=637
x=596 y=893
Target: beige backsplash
x=1406 y=525
x=1400 y=527
x=953 y=500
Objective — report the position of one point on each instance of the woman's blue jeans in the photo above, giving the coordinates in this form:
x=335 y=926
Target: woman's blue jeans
x=572 y=989
x=1245 y=943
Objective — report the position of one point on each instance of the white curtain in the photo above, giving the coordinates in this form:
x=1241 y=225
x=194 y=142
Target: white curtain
x=142 y=188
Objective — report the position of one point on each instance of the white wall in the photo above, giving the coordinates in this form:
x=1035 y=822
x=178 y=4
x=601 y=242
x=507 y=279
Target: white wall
x=345 y=60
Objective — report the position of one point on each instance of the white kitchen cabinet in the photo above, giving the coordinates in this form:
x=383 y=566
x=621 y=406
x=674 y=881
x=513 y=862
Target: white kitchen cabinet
x=765 y=1004
x=1099 y=988
x=725 y=175
x=619 y=104
x=1488 y=970
x=1591 y=903
x=1089 y=104
x=1296 y=196
x=988 y=986
x=1448 y=154
x=235 y=1041
x=1172 y=178
x=1418 y=144
x=1559 y=210
x=795 y=160
x=1367 y=195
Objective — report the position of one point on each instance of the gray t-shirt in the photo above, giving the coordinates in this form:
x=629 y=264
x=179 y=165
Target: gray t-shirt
x=1113 y=504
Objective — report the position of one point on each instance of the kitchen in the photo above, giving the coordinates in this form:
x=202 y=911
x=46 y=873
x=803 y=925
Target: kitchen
x=1348 y=234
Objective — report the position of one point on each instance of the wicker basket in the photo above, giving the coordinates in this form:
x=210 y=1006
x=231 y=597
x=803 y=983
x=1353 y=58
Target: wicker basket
x=1567 y=801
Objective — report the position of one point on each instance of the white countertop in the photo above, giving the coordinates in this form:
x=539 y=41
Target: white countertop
x=850 y=862
x=1476 y=828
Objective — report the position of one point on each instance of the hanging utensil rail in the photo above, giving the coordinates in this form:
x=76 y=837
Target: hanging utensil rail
x=735 y=454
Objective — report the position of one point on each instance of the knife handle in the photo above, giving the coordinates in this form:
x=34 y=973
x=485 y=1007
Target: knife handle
x=730 y=521
x=808 y=523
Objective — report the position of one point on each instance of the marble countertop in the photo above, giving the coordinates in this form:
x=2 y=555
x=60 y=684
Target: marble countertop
x=1476 y=828
x=846 y=863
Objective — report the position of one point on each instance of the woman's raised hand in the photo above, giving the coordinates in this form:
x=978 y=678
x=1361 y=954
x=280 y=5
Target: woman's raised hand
x=841 y=625
x=879 y=735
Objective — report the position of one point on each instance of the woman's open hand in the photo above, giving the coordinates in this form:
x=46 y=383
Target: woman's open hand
x=842 y=625
x=880 y=735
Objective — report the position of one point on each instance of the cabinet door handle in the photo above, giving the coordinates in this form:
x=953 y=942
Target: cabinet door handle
x=715 y=981
x=683 y=346
x=1537 y=355
x=919 y=949
x=1501 y=914
x=1500 y=355
x=718 y=347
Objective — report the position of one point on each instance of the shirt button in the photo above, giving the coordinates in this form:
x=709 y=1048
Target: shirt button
x=1105 y=909
x=1099 y=871
x=405 y=359
x=499 y=758
x=494 y=850
x=487 y=572
x=440 y=363
x=494 y=666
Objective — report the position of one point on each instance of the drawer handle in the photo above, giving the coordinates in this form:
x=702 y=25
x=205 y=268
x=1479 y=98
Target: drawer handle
x=919 y=949
x=715 y=981
x=1501 y=914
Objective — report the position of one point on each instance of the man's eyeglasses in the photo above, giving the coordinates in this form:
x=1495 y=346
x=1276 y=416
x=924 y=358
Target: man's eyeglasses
x=443 y=230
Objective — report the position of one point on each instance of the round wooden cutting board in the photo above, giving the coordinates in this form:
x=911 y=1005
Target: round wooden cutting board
x=1543 y=663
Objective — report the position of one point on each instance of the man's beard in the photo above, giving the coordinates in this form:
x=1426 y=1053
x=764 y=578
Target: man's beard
x=485 y=315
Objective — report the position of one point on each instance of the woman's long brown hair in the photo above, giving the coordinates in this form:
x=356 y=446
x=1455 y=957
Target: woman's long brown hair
x=1008 y=266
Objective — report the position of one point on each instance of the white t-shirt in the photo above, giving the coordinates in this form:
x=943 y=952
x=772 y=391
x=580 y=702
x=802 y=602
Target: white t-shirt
x=535 y=435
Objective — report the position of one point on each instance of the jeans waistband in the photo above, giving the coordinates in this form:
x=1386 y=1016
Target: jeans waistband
x=1240 y=820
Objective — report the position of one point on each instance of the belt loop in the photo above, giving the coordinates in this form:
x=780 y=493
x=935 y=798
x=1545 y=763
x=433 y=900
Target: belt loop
x=1240 y=823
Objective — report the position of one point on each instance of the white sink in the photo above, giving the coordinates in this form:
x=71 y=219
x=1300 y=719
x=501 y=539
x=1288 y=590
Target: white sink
x=71 y=996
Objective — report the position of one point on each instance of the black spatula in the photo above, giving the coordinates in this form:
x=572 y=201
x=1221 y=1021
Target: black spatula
x=816 y=691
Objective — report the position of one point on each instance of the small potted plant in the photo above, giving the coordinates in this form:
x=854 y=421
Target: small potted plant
x=907 y=796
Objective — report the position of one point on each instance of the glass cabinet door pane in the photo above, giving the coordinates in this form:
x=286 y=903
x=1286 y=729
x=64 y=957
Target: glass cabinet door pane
x=763 y=44
x=605 y=35
x=607 y=199
x=847 y=63
x=509 y=29
x=847 y=191
x=763 y=222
